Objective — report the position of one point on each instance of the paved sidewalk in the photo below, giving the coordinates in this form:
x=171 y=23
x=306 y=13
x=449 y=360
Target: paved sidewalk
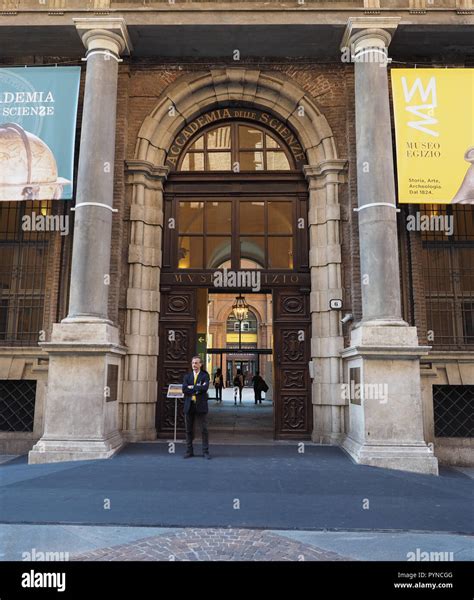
x=7 y=457
x=256 y=420
x=82 y=542
x=265 y=487
x=212 y=545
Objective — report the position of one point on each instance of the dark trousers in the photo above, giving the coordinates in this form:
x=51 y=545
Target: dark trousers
x=258 y=396
x=201 y=418
x=218 y=392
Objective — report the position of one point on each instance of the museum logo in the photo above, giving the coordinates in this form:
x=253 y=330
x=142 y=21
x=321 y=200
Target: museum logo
x=424 y=106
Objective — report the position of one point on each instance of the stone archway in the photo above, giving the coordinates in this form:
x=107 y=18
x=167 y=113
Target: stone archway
x=182 y=102
x=224 y=313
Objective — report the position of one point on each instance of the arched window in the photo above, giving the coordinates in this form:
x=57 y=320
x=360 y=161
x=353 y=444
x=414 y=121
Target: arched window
x=248 y=325
x=260 y=232
x=237 y=147
x=236 y=198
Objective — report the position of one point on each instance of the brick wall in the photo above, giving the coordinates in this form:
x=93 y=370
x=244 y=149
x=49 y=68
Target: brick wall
x=331 y=86
x=141 y=82
x=350 y=236
x=120 y=229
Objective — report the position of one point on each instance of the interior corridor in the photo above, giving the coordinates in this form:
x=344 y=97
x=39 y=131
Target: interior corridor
x=246 y=422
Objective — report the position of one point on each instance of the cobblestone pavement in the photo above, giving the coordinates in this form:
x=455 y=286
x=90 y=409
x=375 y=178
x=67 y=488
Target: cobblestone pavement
x=212 y=545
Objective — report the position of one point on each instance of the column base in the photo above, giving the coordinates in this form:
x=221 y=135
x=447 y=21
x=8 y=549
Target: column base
x=388 y=322
x=416 y=458
x=327 y=438
x=81 y=419
x=383 y=390
x=49 y=451
x=86 y=319
x=140 y=435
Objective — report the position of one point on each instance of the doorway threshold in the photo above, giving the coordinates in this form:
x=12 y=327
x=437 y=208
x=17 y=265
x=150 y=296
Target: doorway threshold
x=239 y=438
x=236 y=436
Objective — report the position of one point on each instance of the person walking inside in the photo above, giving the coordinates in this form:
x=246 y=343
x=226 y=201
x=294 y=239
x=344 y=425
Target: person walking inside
x=238 y=385
x=259 y=386
x=218 y=383
x=195 y=386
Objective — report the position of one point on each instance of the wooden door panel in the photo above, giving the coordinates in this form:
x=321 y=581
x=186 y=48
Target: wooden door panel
x=292 y=331
x=179 y=305
x=294 y=414
x=291 y=305
x=177 y=333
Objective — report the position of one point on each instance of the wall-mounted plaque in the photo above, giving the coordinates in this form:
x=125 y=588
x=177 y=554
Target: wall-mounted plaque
x=112 y=383
x=354 y=385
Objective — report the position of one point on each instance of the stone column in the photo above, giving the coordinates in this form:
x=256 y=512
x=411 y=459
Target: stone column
x=375 y=181
x=143 y=300
x=385 y=409
x=85 y=355
x=95 y=180
x=324 y=216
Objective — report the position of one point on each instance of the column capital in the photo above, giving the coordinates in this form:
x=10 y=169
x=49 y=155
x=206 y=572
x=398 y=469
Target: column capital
x=331 y=171
x=145 y=173
x=369 y=32
x=104 y=33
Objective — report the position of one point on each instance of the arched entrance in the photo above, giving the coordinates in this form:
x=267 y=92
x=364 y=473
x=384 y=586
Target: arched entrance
x=235 y=213
x=242 y=337
x=191 y=109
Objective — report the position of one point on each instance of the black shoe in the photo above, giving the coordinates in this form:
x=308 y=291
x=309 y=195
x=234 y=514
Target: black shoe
x=189 y=455
x=207 y=456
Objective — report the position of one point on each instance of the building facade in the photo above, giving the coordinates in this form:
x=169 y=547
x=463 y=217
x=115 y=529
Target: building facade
x=227 y=148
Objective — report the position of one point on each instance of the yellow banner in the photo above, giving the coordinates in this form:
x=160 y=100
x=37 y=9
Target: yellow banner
x=434 y=129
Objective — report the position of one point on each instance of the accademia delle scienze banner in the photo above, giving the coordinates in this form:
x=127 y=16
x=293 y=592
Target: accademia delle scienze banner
x=38 y=108
x=434 y=128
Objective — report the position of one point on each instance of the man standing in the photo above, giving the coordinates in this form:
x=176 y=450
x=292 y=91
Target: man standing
x=195 y=386
x=259 y=386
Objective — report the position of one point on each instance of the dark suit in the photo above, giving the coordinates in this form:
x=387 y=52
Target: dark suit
x=196 y=410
